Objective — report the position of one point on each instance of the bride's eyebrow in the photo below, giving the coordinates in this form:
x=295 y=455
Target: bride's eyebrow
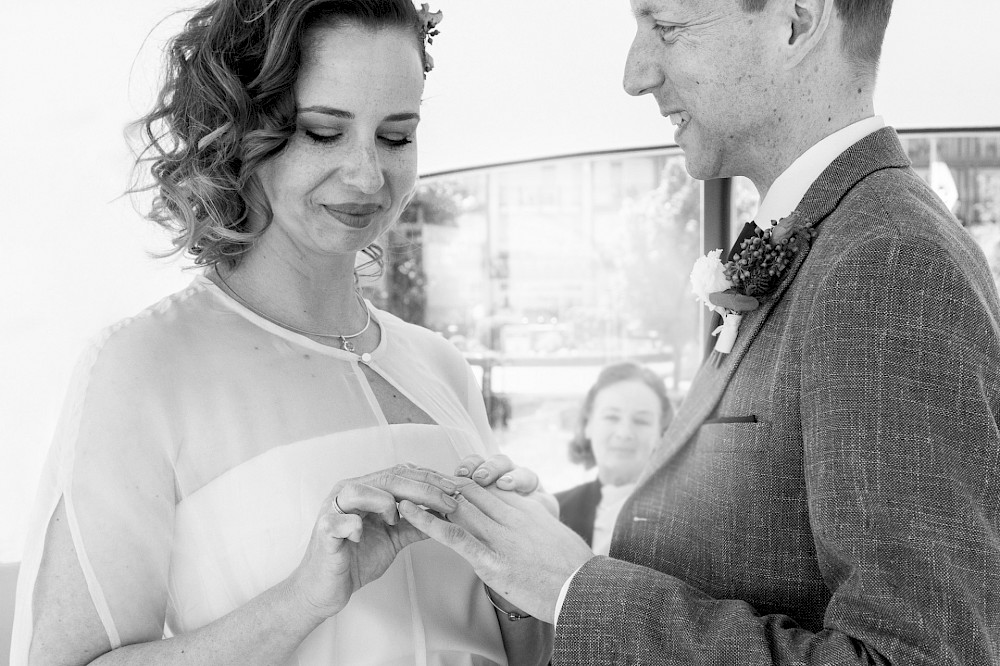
x=347 y=115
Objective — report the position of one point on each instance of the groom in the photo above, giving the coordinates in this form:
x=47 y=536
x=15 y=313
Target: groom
x=829 y=493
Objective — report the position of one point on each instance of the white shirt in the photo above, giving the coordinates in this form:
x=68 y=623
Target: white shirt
x=612 y=500
x=793 y=183
x=784 y=195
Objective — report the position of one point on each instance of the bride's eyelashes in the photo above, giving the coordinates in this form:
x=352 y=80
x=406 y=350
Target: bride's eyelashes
x=392 y=140
x=322 y=138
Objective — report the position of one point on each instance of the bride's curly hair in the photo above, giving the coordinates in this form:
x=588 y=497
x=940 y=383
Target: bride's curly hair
x=227 y=105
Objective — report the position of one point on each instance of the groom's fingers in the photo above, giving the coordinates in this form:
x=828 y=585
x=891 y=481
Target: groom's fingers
x=449 y=534
x=475 y=500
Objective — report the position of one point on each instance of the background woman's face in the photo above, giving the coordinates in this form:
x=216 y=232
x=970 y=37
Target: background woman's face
x=351 y=166
x=623 y=429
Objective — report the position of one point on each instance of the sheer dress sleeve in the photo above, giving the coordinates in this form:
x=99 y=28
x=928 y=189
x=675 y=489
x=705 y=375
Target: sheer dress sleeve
x=111 y=463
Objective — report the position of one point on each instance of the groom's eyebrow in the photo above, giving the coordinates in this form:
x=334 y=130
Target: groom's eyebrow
x=645 y=10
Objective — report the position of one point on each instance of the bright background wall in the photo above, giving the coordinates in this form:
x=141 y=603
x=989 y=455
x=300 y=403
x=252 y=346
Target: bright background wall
x=517 y=79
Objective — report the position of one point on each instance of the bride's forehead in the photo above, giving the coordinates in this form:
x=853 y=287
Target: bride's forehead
x=351 y=53
x=319 y=41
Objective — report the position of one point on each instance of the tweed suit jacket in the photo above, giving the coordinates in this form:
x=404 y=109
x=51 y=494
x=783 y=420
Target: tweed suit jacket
x=855 y=520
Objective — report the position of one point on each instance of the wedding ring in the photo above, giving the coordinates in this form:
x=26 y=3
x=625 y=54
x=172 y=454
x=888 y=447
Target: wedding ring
x=336 y=506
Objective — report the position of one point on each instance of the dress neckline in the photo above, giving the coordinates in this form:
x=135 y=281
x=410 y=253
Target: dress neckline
x=299 y=339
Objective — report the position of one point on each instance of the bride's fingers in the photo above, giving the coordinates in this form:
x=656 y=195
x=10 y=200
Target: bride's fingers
x=360 y=498
x=519 y=479
x=467 y=465
x=492 y=469
x=379 y=495
x=334 y=528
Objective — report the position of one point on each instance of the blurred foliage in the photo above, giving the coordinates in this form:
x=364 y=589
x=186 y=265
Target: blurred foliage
x=661 y=236
x=403 y=289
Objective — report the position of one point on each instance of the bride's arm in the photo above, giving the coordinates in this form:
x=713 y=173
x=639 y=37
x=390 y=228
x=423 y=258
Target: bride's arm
x=343 y=555
x=68 y=630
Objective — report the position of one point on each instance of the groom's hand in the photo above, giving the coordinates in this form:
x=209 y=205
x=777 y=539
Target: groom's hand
x=500 y=470
x=513 y=542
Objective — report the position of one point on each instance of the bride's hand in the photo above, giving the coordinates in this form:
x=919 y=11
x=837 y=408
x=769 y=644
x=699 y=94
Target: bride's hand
x=359 y=533
x=500 y=471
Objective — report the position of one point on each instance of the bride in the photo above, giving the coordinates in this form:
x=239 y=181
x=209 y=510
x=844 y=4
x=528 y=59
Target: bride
x=177 y=518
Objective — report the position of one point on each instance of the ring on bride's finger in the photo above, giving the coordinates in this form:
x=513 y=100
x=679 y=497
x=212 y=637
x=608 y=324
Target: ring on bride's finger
x=336 y=506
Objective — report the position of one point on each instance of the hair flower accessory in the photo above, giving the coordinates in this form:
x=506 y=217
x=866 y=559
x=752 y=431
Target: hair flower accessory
x=752 y=273
x=428 y=26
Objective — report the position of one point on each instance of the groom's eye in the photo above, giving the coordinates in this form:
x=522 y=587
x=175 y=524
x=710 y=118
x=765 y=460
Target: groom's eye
x=665 y=32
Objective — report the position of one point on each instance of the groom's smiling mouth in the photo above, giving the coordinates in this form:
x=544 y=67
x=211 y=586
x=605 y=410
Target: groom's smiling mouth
x=679 y=119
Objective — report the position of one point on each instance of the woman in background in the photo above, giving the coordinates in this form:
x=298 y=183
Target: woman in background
x=623 y=416
x=202 y=438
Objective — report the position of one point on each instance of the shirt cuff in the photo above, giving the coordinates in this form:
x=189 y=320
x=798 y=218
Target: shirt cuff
x=562 y=594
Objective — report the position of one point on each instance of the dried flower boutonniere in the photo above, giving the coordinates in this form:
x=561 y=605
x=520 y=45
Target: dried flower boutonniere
x=755 y=269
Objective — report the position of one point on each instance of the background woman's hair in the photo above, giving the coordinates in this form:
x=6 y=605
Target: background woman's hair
x=580 y=449
x=227 y=105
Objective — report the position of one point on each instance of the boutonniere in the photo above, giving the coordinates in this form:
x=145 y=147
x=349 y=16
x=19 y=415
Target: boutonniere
x=736 y=287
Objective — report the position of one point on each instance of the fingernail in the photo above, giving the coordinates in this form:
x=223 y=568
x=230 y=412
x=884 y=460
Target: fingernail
x=481 y=474
x=450 y=502
x=462 y=471
x=506 y=479
x=448 y=486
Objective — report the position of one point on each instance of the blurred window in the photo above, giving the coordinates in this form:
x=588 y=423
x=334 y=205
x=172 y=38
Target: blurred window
x=544 y=272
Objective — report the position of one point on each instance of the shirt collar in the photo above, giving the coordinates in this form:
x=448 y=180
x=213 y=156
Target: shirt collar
x=789 y=188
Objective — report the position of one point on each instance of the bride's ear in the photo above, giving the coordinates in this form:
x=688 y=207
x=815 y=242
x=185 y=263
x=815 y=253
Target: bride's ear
x=808 y=22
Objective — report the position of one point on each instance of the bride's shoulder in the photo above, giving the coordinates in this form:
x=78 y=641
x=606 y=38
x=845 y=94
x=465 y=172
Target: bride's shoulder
x=160 y=335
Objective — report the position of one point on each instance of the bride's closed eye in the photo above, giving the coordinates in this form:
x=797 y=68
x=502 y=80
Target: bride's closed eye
x=319 y=137
x=390 y=140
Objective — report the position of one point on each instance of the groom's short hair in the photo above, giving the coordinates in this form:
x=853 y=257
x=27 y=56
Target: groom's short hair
x=864 y=27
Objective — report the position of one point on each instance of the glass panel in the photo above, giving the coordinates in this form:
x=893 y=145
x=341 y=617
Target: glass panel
x=964 y=170
x=542 y=273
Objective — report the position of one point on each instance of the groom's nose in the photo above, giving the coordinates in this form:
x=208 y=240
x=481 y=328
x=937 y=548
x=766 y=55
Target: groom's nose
x=642 y=75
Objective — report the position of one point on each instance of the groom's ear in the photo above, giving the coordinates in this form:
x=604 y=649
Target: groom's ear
x=807 y=25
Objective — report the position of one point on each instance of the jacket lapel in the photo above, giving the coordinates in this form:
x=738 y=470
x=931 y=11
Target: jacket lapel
x=879 y=150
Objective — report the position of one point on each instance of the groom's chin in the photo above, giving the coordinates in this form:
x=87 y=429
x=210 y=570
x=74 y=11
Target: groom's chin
x=699 y=169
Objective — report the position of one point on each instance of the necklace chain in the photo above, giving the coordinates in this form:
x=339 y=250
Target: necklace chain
x=345 y=340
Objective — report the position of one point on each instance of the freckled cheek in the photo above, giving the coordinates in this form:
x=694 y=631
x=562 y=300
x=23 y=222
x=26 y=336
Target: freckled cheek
x=401 y=176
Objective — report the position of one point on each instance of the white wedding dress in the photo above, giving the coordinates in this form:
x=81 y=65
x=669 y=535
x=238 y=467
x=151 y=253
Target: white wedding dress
x=196 y=446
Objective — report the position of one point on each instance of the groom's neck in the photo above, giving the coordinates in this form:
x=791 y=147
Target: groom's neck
x=807 y=122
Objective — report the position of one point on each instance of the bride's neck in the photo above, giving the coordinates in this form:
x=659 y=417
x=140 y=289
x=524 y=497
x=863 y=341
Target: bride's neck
x=300 y=294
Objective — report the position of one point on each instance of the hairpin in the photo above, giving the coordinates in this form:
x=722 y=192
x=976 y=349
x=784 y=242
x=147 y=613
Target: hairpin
x=428 y=27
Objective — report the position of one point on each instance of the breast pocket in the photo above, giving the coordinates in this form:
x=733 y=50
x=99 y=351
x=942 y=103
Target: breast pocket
x=751 y=469
x=734 y=436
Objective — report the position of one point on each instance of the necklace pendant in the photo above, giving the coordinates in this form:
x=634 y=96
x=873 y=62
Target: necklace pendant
x=346 y=345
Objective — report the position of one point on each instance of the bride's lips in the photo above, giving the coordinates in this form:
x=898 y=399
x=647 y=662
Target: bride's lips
x=355 y=215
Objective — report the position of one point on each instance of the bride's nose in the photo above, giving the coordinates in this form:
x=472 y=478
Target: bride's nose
x=362 y=168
